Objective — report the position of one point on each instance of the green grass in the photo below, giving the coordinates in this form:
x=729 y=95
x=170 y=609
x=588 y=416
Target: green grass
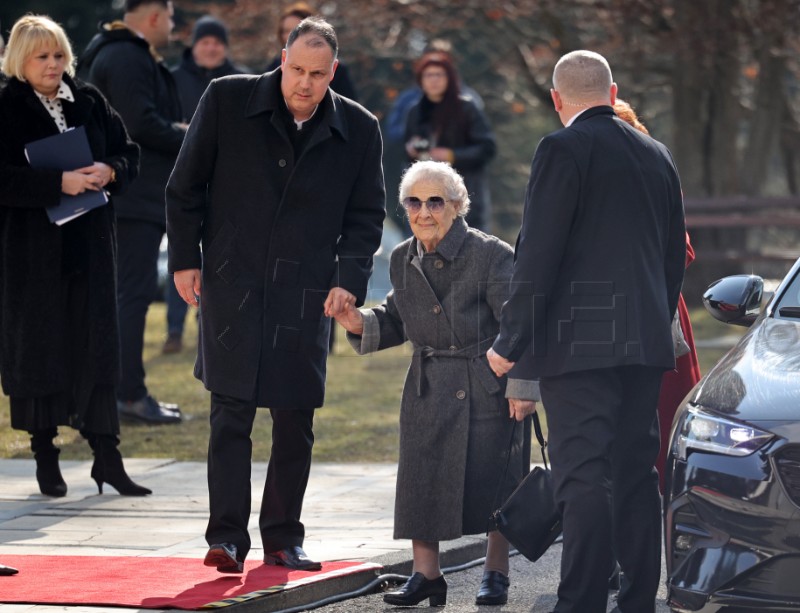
x=359 y=422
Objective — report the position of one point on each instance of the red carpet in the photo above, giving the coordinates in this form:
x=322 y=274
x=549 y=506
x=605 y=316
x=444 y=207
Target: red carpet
x=152 y=583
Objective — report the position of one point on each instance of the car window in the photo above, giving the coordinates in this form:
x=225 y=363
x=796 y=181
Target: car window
x=788 y=307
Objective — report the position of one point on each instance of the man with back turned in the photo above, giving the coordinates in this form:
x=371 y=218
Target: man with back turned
x=598 y=270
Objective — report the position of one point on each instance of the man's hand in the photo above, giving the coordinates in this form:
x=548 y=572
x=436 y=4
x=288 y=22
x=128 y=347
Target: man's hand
x=338 y=301
x=187 y=282
x=498 y=363
x=519 y=409
x=341 y=305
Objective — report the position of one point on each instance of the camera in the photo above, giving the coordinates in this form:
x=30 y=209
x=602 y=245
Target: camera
x=421 y=145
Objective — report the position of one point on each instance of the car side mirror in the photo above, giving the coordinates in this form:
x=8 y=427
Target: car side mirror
x=735 y=299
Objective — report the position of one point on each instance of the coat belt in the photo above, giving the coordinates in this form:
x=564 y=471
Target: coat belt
x=473 y=353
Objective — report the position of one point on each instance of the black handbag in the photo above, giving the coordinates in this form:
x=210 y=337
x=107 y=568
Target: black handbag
x=529 y=518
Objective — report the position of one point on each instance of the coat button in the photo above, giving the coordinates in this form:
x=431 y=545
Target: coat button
x=438 y=264
x=461 y=394
x=437 y=309
x=281 y=163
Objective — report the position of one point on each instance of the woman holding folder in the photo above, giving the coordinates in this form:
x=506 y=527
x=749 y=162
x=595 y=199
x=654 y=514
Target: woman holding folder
x=59 y=350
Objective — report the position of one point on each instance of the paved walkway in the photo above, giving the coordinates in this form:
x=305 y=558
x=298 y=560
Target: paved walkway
x=347 y=512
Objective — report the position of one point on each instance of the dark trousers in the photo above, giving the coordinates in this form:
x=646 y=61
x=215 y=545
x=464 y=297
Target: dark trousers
x=137 y=283
x=229 y=458
x=176 y=309
x=604 y=440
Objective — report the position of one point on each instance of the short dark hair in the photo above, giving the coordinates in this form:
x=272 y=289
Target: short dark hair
x=318 y=26
x=132 y=5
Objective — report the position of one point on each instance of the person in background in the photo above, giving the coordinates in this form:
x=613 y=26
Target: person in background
x=678 y=382
x=279 y=186
x=5 y=570
x=58 y=327
x=447 y=127
x=454 y=417
x=292 y=15
x=597 y=276
x=395 y=160
x=122 y=62
x=205 y=60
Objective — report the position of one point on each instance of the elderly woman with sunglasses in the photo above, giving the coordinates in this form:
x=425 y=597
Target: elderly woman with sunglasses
x=450 y=282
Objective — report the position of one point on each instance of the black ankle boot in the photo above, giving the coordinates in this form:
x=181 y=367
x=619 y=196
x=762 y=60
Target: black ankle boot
x=417 y=589
x=108 y=467
x=48 y=473
x=494 y=589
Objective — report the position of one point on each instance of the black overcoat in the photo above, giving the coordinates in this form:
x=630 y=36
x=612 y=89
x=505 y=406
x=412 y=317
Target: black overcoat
x=601 y=253
x=33 y=355
x=141 y=88
x=277 y=233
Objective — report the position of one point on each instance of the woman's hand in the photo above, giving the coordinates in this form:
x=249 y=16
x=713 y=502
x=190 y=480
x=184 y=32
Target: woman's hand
x=519 y=409
x=341 y=305
x=418 y=148
x=102 y=172
x=74 y=182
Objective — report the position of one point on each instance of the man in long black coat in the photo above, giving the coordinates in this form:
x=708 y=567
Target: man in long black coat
x=598 y=270
x=280 y=179
x=121 y=62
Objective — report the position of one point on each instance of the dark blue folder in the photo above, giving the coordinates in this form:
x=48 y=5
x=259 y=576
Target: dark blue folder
x=66 y=151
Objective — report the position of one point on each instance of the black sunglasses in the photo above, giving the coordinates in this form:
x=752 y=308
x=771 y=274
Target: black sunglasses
x=434 y=204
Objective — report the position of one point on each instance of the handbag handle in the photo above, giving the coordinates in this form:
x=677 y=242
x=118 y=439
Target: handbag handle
x=537 y=428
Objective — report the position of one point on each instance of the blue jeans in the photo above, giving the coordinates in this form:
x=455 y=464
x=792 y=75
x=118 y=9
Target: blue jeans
x=176 y=309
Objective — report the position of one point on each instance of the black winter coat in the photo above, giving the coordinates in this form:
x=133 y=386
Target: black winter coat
x=192 y=80
x=33 y=328
x=277 y=233
x=142 y=90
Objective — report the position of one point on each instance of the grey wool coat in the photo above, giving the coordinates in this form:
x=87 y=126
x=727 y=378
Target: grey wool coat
x=277 y=233
x=454 y=424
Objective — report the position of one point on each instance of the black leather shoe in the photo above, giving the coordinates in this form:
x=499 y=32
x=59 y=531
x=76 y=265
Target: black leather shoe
x=494 y=588
x=292 y=557
x=417 y=589
x=7 y=570
x=225 y=557
x=148 y=409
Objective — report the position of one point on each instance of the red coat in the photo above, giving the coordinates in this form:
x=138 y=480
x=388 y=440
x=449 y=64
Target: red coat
x=677 y=383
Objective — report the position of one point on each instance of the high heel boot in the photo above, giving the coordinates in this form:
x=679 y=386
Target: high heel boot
x=108 y=467
x=48 y=473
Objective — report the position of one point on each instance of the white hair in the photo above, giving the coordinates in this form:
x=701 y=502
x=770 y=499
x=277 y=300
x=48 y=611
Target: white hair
x=438 y=172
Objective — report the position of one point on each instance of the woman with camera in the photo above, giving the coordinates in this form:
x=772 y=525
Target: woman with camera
x=447 y=127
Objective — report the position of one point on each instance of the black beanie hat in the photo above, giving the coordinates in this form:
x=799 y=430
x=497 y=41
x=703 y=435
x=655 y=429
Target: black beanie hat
x=209 y=26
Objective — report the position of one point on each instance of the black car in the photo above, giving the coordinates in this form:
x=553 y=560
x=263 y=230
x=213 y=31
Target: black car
x=732 y=499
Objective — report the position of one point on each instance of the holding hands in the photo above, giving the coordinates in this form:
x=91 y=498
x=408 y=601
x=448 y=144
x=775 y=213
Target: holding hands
x=341 y=305
x=498 y=363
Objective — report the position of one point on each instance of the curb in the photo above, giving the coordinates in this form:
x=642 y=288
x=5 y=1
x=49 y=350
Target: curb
x=452 y=553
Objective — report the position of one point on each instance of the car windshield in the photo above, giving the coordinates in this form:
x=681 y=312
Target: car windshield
x=788 y=307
